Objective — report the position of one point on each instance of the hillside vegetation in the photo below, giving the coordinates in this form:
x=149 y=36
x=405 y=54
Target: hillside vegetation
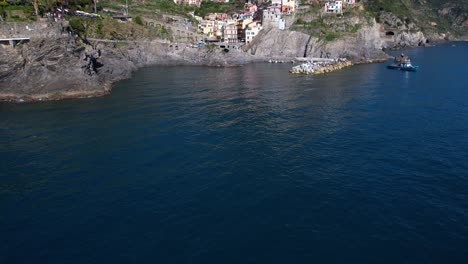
x=429 y=16
x=448 y=15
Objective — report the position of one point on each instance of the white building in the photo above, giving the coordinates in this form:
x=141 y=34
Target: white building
x=335 y=6
x=271 y=17
x=251 y=31
x=276 y=3
x=219 y=29
x=282 y=24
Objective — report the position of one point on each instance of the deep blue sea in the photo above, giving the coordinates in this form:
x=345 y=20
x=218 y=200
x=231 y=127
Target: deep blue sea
x=244 y=165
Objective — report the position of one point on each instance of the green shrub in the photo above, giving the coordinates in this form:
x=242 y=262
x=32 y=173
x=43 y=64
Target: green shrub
x=331 y=36
x=165 y=33
x=300 y=21
x=356 y=28
x=77 y=25
x=211 y=47
x=99 y=30
x=138 y=20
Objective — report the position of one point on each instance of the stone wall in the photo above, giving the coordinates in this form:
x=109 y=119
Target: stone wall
x=30 y=29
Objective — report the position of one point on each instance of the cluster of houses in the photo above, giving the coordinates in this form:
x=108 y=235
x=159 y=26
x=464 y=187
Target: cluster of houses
x=244 y=25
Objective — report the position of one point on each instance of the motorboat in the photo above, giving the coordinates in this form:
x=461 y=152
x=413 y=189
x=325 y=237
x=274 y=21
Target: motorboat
x=402 y=63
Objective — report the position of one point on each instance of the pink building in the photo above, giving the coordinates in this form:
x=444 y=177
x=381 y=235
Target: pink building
x=230 y=33
x=251 y=8
x=221 y=16
x=285 y=6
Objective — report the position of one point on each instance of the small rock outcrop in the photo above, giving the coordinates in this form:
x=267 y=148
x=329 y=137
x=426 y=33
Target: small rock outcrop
x=46 y=69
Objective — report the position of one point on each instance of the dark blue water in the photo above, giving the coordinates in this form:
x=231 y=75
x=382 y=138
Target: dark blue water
x=244 y=165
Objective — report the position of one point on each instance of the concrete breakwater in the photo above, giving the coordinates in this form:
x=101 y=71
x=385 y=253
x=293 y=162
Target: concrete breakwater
x=320 y=67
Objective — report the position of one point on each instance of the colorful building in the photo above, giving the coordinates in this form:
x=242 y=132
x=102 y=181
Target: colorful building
x=286 y=6
x=250 y=8
x=207 y=27
x=216 y=16
x=230 y=31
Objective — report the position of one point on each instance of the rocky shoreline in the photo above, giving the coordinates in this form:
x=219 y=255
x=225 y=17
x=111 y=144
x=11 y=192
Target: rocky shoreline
x=66 y=67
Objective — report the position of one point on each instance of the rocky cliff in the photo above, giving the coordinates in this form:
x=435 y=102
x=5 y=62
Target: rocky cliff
x=48 y=69
x=364 y=46
x=436 y=19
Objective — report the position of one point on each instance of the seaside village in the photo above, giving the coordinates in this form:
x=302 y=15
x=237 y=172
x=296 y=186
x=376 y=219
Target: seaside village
x=233 y=31
x=243 y=26
x=236 y=28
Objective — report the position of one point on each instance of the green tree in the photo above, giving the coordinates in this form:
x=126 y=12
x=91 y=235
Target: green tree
x=2 y=5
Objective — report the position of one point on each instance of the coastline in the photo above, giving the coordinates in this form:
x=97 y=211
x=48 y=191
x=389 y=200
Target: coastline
x=117 y=64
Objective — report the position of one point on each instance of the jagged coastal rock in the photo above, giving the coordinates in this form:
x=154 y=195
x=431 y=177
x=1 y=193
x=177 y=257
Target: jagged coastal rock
x=273 y=43
x=46 y=69
x=366 y=46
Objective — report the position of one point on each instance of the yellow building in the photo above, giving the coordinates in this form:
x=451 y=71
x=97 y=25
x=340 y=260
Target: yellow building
x=207 y=27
